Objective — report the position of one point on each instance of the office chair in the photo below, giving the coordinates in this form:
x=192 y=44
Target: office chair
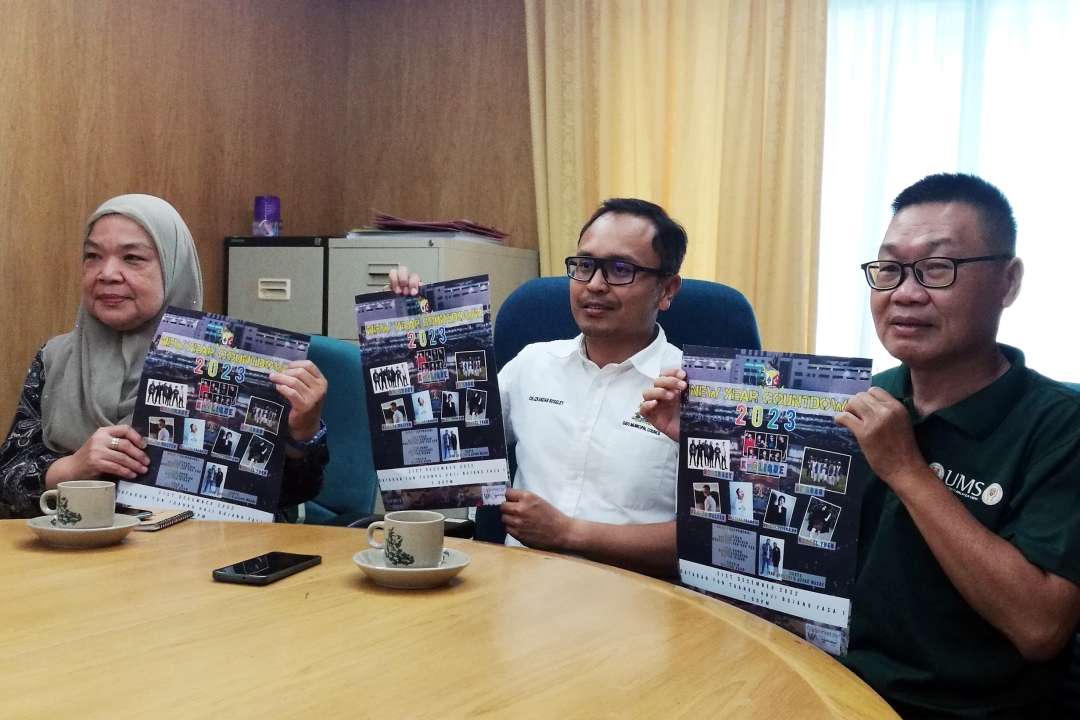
x=349 y=482
x=701 y=313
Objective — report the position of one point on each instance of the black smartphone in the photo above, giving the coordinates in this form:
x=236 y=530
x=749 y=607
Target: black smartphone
x=267 y=568
x=137 y=513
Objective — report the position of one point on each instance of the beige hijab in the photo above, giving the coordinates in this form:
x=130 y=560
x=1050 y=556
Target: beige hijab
x=92 y=373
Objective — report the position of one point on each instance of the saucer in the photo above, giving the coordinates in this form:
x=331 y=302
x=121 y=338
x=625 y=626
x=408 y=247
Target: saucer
x=80 y=538
x=373 y=563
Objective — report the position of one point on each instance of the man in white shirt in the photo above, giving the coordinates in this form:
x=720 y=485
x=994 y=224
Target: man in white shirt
x=710 y=501
x=740 y=501
x=741 y=507
x=594 y=478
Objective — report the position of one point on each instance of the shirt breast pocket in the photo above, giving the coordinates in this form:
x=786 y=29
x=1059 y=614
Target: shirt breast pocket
x=642 y=471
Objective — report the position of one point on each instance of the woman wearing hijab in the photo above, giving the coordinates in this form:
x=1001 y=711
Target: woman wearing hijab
x=73 y=417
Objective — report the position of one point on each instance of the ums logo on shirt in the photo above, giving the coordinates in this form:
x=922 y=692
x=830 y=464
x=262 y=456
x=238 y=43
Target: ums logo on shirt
x=967 y=487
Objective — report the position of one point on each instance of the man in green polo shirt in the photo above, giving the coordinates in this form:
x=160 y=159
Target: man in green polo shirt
x=969 y=549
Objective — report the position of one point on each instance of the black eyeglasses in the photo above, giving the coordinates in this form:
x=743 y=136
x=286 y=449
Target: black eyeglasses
x=931 y=272
x=616 y=272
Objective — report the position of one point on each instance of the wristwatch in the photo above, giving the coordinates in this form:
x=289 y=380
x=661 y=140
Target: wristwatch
x=307 y=445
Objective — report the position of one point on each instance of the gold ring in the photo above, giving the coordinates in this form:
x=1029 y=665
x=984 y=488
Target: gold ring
x=115 y=443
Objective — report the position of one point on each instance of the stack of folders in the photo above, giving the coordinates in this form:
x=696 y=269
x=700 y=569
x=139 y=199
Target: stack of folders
x=385 y=222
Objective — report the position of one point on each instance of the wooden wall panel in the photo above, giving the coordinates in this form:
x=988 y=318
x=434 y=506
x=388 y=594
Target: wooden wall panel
x=206 y=103
x=439 y=114
x=414 y=107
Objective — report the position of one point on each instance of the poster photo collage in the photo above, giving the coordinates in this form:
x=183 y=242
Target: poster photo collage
x=769 y=486
x=433 y=396
x=213 y=422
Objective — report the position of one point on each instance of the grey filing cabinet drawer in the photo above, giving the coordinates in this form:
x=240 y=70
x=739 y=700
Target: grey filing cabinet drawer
x=355 y=271
x=361 y=265
x=277 y=281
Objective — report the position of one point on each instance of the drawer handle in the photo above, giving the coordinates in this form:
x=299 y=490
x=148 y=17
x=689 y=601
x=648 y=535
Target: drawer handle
x=275 y=288
x=379 y=273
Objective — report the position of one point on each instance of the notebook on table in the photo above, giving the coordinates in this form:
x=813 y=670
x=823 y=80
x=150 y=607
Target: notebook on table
x=161 y=519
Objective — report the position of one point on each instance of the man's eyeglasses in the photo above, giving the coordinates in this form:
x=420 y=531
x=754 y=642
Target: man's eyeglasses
x=616 y=272
x=931 y=272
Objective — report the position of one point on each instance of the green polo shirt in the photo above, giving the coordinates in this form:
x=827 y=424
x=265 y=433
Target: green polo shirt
x=1011 y=454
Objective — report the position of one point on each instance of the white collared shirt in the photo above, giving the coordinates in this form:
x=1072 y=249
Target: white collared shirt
x=580 y=442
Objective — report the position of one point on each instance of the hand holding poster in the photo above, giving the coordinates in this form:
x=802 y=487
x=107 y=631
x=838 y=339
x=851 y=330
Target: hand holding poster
x=433 y=396
x=770 y=487
x=213 y=422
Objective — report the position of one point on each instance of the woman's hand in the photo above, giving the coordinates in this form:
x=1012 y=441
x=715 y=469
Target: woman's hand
x=402 y=283
x=113 y=450
x=305 y=387
x=661 y=406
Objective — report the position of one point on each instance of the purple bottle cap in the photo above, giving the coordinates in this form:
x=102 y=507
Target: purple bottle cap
x=268 y=207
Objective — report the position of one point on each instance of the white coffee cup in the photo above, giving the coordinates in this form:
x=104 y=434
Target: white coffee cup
x=411 y=538
x=81 y=504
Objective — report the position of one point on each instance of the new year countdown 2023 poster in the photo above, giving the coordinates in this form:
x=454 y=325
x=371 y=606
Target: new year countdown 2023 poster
x=433 y=396
x=214 y=423
x=770 y=486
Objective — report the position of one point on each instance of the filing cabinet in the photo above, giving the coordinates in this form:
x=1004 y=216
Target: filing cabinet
x=360 y=265
x=309 y=284
x=277 y=281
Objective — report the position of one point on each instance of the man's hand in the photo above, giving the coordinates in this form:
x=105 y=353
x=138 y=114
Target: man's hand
x=305 y=388
x=882 y=426
x=402 y=283
x=661 y=406
x=535 y=522
x=1034 y=609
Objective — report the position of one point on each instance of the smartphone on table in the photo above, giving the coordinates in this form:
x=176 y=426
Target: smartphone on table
x=265 y=569
x=137 y=513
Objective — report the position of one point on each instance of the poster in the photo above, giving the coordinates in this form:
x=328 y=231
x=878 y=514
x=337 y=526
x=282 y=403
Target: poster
x=214 y=424
x=770 y=487
x=433 y=396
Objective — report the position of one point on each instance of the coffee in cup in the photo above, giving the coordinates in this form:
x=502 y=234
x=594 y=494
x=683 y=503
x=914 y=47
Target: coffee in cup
x=411 y=538
x=81 y=504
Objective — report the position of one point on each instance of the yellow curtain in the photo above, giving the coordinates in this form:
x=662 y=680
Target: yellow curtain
x=713 y=109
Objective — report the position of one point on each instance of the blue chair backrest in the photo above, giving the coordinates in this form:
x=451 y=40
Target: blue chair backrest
x=350 y=483
x=702 y=313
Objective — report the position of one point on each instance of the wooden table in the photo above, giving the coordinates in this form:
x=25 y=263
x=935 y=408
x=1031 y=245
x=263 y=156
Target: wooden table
x=141 y=629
